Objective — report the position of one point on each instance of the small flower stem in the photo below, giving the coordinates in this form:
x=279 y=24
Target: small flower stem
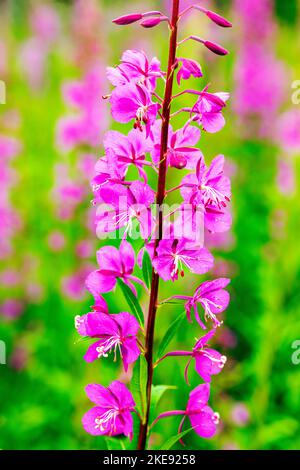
x=161 y=193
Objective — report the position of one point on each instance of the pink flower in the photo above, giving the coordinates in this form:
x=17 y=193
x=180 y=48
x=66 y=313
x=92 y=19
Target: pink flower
x=173 y=255
x=112 y=415
x=288 y=131
x=212 y=297
x=286 y=177
x=84 y=249
x=56 y=241
x=135 y=68
x=128 y=150
x=208 y=186
x=11 y=308
x=9 y=147
x=45 y=23
x=187 y=69
x=208 y=361
x=73 y=285
x=181 y=151
x=125 y=205
x=203 y=419
x=86 y=127
x=107 y=171
x=208 y=111
x=134 y=102
x=112 y=333
x=240 y=414
x=113 y=264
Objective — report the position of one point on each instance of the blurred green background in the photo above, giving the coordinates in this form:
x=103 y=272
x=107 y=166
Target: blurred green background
x=45 y=214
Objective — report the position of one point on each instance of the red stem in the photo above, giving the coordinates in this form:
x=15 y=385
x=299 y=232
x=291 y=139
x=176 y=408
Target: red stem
x=161 y=193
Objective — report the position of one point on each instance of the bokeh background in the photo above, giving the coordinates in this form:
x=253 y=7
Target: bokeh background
x=48 y=146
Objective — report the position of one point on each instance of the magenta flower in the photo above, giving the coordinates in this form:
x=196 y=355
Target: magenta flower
x=212 y=297
x=135 y=68
x=125 y=205
x=187 y=69
x=134 y=102
x=128 y=150
x=107 y=171
x=208 y=110
x=173 y=255
x=112 y=414
x=9 y=147
x=181 y=151
x=208 y=186
x=113 y=264
x=203 y=419
x=208 y=361
x=113 y=333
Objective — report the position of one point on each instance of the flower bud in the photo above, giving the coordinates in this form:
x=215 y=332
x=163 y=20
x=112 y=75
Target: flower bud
x=127 y=19
x=218 y=19
x=216 y=48
x=152 y=22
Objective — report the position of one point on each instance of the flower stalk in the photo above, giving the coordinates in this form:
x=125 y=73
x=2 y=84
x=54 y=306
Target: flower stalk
x=161 y=193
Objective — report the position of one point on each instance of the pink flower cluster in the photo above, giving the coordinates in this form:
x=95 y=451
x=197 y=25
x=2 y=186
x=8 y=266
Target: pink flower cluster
x=10 y=222
x=125 y=202
x=260 y=76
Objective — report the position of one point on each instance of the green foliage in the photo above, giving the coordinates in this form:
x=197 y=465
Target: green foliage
x=132 y=301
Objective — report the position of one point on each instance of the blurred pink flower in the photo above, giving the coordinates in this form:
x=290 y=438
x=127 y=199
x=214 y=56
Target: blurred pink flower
x=56 y=241
x=240 y=414
x=87 y=126
x=11 y=308
x=9 y=147
x=10 y=278
x=45 y=23
x=286 y=177
x=19 y=358
x=3 y=59
x=33 y=56
x=73 y=286
x=84 y=248
x=288 y=131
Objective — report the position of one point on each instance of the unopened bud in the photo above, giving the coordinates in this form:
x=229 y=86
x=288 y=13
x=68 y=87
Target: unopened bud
x=128 y=19
x=218 y=19
x=216 y=48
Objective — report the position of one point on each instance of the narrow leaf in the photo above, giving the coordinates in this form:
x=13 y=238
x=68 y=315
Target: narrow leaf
x=132 y=301
x=171 y=331
x=147 y=268
x=138 y=385
x=170 y=442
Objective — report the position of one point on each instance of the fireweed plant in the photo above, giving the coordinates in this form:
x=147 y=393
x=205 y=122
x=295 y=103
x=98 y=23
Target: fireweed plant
x=172 y=239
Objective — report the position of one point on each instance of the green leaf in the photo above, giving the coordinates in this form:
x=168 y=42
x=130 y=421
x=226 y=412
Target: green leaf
x=132 y=301
x=170 y=442
x=147 y=268
x=115 y=443
x=171 y=331
x=157 y=392
x=138 y=385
